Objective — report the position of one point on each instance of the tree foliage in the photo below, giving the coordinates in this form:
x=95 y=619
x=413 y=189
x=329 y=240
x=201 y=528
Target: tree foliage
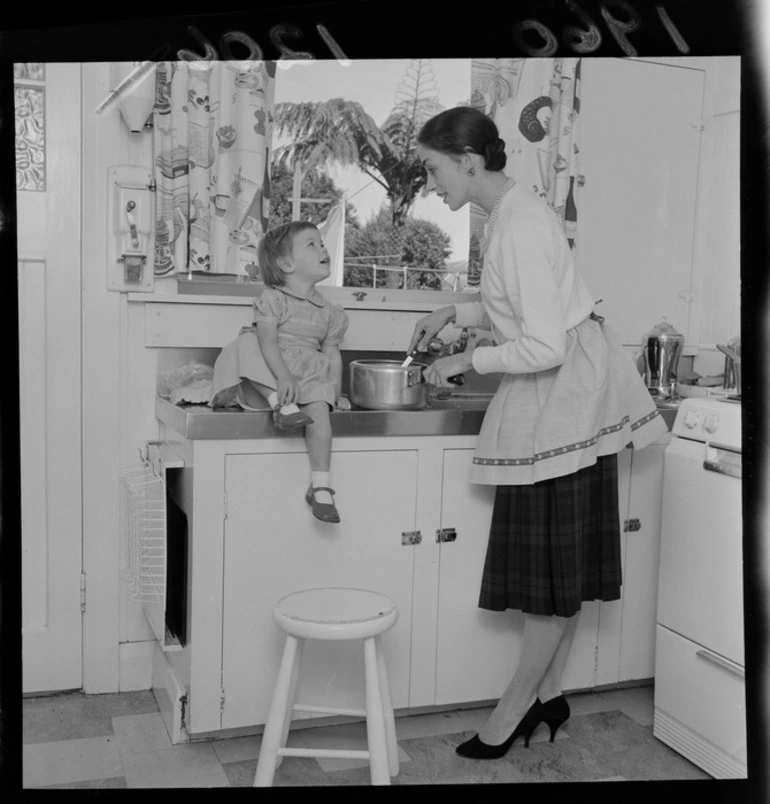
x=315 y=184
x=425 y=246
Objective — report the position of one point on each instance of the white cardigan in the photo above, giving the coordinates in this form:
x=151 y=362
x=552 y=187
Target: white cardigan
x=531 y=294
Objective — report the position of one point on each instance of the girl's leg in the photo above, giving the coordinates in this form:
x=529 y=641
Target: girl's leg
x=550 y=684
x=540 y=642
x=318 y=437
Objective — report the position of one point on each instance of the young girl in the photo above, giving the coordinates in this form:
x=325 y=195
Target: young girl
x=299 y=334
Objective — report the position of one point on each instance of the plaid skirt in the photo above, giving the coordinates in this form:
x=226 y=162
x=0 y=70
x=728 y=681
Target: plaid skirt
x=555 y=543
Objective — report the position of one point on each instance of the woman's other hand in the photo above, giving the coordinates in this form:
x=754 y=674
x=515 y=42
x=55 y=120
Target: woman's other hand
x=342 y=403
x=439 y=371
x=429 y=326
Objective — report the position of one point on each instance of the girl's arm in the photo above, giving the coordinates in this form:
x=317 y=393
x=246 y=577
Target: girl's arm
x=287 y=387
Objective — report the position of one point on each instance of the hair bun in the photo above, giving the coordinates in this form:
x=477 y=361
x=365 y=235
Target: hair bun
x=495 y=157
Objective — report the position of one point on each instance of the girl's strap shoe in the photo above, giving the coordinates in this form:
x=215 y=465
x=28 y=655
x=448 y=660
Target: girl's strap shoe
x=290 y=421
x=326 y=512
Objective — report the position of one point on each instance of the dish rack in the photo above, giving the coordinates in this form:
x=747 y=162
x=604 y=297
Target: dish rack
x=145 y=539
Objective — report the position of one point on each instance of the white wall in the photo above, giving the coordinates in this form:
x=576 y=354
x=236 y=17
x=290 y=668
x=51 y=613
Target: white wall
x=120 y=369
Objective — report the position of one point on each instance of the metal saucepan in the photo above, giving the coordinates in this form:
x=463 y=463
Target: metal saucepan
x=387 y=385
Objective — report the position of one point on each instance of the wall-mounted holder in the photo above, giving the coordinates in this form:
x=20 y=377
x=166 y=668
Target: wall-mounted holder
x=130 y=215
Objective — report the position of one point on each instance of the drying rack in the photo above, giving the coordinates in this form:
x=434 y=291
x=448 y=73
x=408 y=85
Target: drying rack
x=144 y=535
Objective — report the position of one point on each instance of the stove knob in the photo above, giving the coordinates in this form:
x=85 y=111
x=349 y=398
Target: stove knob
x=691 y=419
x=711 y=424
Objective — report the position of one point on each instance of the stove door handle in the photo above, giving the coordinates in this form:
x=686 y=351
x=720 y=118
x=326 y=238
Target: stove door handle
x=714 y=658
x=729 y=465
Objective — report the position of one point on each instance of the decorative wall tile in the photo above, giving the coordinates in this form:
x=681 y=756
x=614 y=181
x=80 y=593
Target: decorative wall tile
x=32 y=70
x=30 y=138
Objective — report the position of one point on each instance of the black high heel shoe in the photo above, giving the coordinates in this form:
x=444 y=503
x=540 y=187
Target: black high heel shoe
x=554 y=713
x=477 y=749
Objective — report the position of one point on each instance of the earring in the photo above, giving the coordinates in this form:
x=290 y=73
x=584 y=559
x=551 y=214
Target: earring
x=472 y=171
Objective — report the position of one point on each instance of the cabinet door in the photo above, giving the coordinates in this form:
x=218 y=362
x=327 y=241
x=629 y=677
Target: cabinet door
x=639 y=153
x=640 y=568
x=478 y=650
x=611 y=613
x=274 y=546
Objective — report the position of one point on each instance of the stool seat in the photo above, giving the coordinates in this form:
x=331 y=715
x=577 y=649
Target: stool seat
x=335 y=613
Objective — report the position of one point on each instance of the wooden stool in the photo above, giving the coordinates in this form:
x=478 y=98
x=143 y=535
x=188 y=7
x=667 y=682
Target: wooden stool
x=332 y=614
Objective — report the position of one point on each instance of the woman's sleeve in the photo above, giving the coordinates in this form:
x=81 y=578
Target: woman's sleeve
x=527 y=282
x=471 y=314
x=270 y=306
x=338 y=325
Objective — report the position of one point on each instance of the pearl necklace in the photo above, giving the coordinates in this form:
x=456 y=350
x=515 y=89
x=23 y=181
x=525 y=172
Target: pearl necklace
x=495 y=212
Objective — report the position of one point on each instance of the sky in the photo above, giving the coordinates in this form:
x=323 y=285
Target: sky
x=373 y=83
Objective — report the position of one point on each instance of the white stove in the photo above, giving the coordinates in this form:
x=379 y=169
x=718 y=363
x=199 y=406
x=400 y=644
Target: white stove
x=699 y=652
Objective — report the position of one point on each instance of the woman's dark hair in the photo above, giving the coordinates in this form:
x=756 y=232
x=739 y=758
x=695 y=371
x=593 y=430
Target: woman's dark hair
x=276 y=245
x=464 y=130
x=529 y=125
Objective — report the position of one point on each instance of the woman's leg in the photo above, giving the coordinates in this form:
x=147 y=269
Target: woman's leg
x=540 y=643
x=550 y=684
x=318 y=437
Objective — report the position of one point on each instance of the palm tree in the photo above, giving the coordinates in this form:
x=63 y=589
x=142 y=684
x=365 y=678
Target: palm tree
x=341 y=131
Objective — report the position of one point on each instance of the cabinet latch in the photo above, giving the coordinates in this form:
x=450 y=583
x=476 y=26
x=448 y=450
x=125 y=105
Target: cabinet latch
x=631 y=525
x=411 y=537
x=446 y=535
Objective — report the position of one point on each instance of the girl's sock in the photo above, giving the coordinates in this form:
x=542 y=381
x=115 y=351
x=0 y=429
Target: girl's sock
x=319 y=479
x=272 y=400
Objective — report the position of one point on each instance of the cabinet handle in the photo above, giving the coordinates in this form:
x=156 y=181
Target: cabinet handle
x=632 y=525
x=446 y=535
x=411 y=537
x=719 y=660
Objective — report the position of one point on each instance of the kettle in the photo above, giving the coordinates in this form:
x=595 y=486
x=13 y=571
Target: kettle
x=662 y=347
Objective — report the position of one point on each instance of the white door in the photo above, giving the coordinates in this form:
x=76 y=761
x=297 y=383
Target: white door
x=636 y=212
x=48 y=130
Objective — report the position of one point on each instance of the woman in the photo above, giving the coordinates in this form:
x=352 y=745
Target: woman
x=569 y=401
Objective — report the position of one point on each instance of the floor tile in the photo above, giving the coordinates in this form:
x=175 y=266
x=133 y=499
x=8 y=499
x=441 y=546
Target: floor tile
x=138 y=733
x=66 y=761
x=238 y=749
x=118 y=782
x=191 y=765
x=75 y=715
x=637 y=703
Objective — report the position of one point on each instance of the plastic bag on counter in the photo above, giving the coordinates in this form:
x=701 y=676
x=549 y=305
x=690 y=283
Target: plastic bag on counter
x=191 y=383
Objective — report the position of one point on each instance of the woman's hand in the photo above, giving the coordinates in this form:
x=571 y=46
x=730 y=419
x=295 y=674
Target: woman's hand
x=429 y=326
x=342 y=403
x=288 y=390
x=440 y=370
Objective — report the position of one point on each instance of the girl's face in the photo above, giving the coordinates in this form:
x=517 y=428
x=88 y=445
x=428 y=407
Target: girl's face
x=446 y=176
x=309 y=257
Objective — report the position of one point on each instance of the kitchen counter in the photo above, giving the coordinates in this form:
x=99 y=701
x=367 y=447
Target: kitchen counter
x=460 y=414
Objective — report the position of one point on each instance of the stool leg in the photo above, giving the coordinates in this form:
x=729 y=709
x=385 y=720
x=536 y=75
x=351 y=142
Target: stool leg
x=268 y=752
x=390 y=720
x=292 y=698
x=375 y=718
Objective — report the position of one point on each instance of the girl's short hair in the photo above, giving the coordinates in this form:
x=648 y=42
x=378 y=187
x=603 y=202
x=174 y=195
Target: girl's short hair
x=276 y=245
x=463 y=130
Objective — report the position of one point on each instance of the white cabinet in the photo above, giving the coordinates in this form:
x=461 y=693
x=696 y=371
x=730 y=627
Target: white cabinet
x=477 y=649
x=274 y=546
x=414 y=528
x=627 y=626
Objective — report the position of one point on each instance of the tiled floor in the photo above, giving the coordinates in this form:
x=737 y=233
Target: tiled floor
x=74 y=740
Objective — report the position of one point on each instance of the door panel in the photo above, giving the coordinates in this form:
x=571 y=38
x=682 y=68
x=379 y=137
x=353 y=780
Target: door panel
x=274 y=549
x=636 y=212
x=49 y=343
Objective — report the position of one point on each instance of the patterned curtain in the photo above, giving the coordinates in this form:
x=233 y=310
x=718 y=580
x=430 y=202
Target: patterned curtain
x=535 y=104
x=212 y=137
